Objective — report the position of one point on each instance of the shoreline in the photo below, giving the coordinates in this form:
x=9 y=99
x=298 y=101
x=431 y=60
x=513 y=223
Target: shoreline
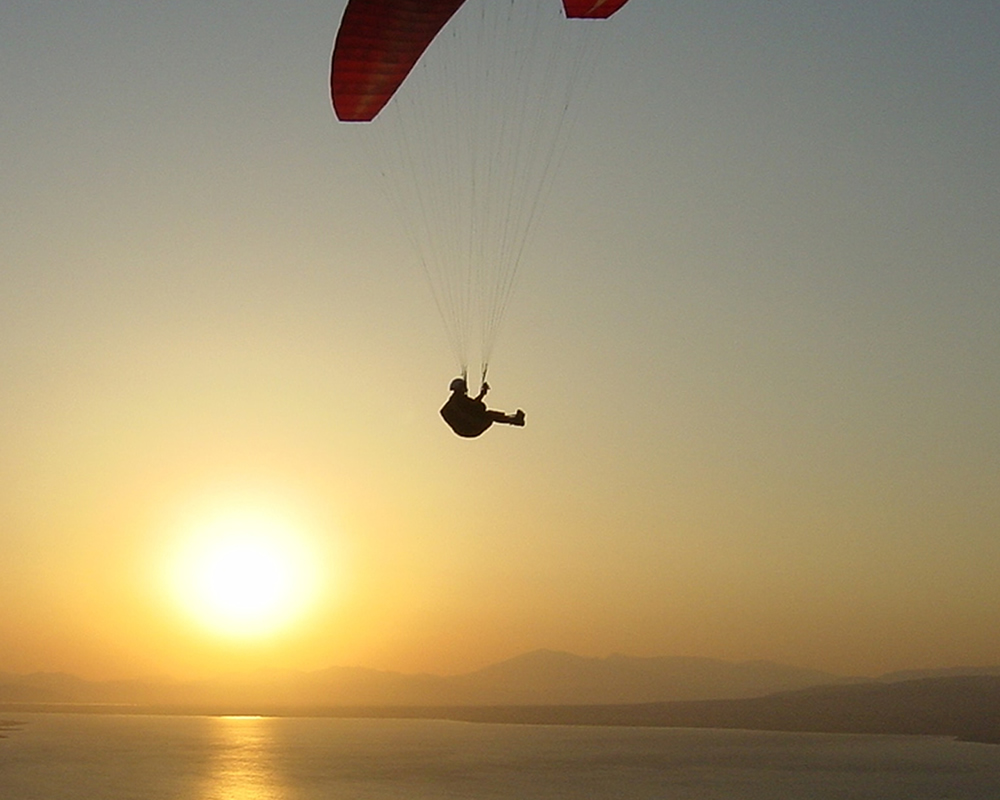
x=715 y=714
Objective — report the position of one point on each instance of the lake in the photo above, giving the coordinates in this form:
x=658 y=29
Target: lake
x=110 y=757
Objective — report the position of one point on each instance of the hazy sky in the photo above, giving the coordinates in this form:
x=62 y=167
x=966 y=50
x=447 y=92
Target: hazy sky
x=757 y=338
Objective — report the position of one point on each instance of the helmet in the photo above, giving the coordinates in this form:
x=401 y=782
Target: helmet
x=459 y=385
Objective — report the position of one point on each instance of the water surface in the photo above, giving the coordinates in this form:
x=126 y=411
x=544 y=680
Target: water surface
x=107 y=757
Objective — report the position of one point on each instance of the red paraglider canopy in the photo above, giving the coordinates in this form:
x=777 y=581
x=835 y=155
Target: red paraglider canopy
x=377 y=45
x=380 y=41
x=592 y=9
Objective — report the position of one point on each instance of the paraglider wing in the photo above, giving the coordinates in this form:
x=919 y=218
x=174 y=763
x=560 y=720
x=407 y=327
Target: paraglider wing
x=469 y=154
x=592 y=9
x=377 y=45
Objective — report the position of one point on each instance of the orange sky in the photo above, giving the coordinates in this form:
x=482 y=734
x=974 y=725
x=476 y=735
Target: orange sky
x=756 y=338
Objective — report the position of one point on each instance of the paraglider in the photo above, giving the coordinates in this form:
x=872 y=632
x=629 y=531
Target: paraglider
x=468 y=416
x=467 y=134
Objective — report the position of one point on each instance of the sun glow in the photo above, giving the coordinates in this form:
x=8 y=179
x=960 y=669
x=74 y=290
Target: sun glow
x=245 y=574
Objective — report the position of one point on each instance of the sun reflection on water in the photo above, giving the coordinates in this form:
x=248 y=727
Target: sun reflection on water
x=243 y=763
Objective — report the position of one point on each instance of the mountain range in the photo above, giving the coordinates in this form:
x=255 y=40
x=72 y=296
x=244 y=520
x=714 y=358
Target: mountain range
x=542 y=677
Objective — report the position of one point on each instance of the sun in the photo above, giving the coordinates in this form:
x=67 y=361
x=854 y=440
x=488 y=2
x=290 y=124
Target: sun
x=245 y=574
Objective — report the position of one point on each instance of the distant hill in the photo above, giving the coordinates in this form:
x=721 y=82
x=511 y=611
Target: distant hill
x=950 y=672
x=551 y=677
x=540 y=677
x=965 y=707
